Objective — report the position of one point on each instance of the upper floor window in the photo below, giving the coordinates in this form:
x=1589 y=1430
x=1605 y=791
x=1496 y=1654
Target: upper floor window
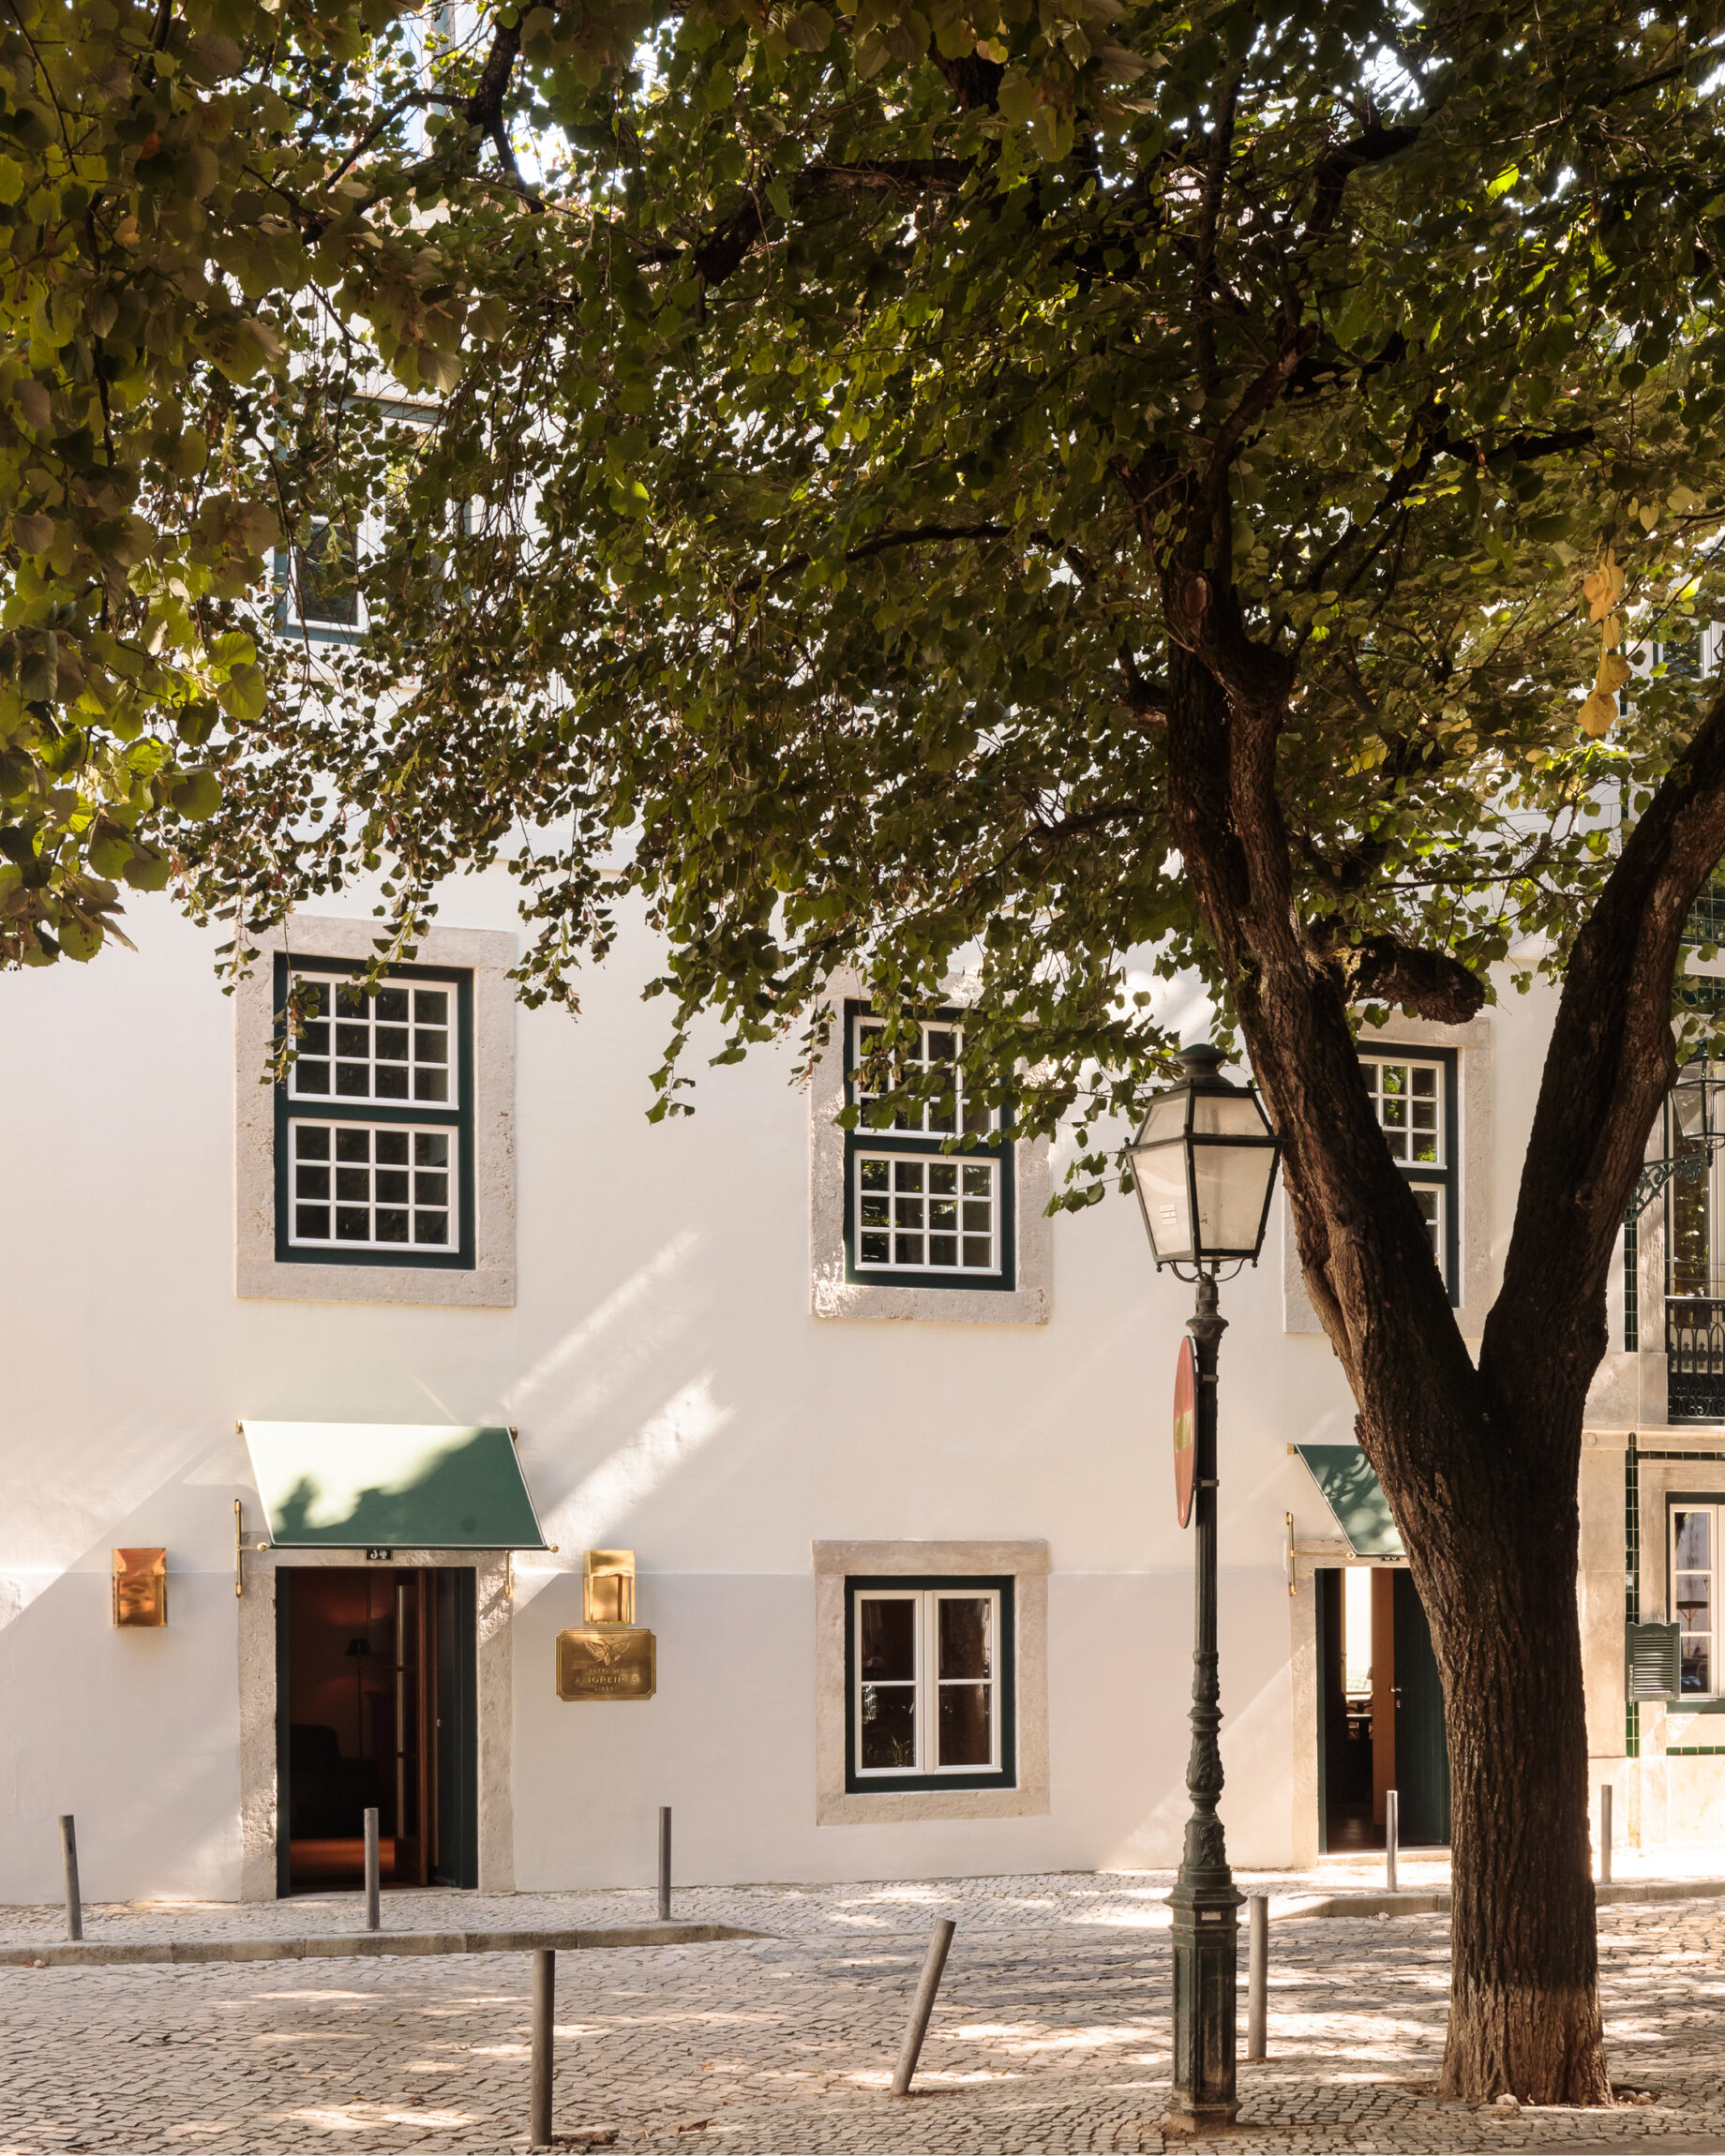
x=930 y=1683
x=1414 y=1097
x=374 y=1124
x=1694 y=1570
x=916 y=1214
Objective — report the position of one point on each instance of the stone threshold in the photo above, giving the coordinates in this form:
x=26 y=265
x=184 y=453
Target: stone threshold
x=362 y=1945
x=1435 y=1901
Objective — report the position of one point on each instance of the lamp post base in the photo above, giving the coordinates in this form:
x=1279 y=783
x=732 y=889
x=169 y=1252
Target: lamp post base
x=1205 y=1905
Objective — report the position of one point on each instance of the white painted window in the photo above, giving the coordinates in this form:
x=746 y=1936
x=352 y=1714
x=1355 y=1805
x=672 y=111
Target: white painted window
x=938 y=1045
x=396 y=1046
x=927 y=1681
x=1411 y=1098
x=1694 y=1575
x=927 y=1214
x=373 y=1187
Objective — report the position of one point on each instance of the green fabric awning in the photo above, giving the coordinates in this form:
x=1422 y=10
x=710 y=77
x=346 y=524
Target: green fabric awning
x=392 y=1484
x=1354 y=1495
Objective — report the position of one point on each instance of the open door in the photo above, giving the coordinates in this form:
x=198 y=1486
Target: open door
x=1422 y=1746
x=1380 y=1712
x=361 y=1691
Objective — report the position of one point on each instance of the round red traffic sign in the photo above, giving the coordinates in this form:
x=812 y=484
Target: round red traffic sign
x=1185 y=1429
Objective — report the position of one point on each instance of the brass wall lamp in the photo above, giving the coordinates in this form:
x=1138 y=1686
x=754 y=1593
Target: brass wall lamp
x=140 y=1589
x=609 y=1657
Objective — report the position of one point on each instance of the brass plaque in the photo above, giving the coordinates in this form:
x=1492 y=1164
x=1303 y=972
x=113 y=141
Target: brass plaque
x=140 y=1587
x=606 y=1662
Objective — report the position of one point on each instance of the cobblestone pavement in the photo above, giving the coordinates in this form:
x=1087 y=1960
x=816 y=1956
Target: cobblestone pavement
x=1051 y=2034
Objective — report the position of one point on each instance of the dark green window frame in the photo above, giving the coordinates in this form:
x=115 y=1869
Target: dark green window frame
x=1004 y=1776
x=414 y=1115
x=922 y=1145
x=1449 y=1178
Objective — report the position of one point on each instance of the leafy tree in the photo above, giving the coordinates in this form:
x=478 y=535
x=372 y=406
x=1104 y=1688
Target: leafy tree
x=1007 y=486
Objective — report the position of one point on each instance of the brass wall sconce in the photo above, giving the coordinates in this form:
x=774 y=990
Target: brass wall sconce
x=607 y=1586
x=140 y=1588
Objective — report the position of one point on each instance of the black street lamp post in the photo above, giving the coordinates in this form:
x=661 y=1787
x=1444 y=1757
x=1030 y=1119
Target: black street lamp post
x=1205 y=1167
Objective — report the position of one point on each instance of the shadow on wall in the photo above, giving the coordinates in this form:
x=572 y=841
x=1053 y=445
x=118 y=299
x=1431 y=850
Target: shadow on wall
x=134 y=1732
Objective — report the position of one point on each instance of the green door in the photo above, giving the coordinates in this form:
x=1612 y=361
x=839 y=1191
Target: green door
x=1422 y=1754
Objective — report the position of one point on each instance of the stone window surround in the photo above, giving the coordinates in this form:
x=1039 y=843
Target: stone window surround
x=1028 y=1563
x=488 y=955
x=831 y=1295
x=261 y=1798
x=1473 y=1142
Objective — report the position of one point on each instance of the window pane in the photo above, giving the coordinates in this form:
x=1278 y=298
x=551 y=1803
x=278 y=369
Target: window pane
x=384 y=1199
x=1431 y=1205
x=967 y=1649
x=964 y=1726
x=889 y=1637
x=932 y=1229
x=889 y=1725
x=1405 y=1099
x=311 y=1077
x=391 y=1007
x=1694 y=1540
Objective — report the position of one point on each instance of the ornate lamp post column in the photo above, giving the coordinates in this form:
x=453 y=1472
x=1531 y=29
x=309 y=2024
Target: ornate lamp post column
x=1205 y=1166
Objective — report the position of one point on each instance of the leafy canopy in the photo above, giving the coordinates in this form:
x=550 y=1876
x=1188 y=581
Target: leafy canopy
x=848 y=444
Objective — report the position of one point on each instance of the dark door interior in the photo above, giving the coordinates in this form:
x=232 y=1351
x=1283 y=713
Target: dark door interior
x=375 y=1707
x=1387 y=1731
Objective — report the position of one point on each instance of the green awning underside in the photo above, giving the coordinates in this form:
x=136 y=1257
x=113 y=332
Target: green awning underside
x=1354 y=1495
x=390 y=1484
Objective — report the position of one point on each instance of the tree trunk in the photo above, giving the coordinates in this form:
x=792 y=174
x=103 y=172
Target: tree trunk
x=1499 y=1591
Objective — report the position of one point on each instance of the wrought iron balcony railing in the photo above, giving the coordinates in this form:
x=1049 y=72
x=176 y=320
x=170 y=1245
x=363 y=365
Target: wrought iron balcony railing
x=1695 y=1358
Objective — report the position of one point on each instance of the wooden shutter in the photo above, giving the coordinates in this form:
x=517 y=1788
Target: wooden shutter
x=1650 y=1661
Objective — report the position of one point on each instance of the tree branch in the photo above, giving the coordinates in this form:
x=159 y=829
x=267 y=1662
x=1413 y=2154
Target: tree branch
x=1424 y=984
x=1609 y=1065
x=725 y=248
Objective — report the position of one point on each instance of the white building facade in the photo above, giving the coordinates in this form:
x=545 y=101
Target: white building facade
x=891 y=1449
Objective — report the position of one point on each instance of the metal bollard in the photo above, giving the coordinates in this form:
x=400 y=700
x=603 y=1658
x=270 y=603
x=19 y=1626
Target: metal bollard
x=373 y=1914
x=664 y=1864
x=923 y=2006
x=74 y=1904
x=544 y=1999
x=1605 y=1833
x=1392 y=1830
x=1257 y=1975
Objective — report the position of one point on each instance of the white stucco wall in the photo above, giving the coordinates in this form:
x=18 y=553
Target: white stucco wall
x=673 y=1393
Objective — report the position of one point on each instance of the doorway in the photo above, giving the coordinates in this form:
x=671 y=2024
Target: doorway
x=1380 y=1712
x=376 y=1705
